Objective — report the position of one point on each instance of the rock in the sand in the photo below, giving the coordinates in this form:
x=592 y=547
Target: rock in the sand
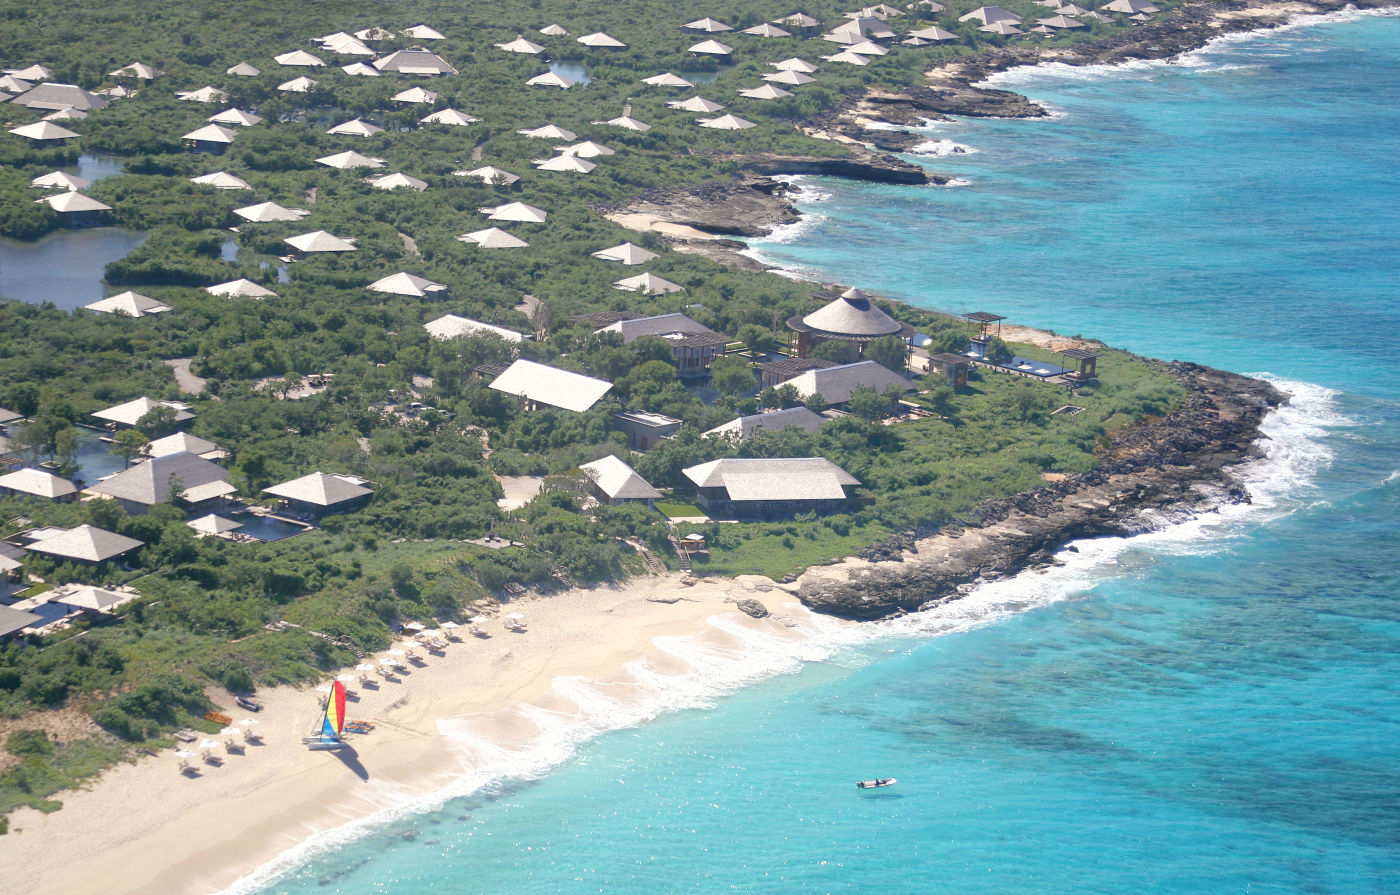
x=753 y=608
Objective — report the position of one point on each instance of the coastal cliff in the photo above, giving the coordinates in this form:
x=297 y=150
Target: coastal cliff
x=1180 y=464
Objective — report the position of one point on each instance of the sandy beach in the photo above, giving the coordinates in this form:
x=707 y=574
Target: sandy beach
x=148 y=828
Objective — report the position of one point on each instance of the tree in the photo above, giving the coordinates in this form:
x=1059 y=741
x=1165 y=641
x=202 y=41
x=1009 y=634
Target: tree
x=868 y=404
x=732 y=375
x=759 y=339
x=889 y=352
x=815 y=402
x=158 y=422
x=940 y=397
x=788 y=396
x=834 y=350
x=128 y=443
x=998 y=352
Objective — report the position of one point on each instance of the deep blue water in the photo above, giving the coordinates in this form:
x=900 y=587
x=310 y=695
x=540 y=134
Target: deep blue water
x=1214 y=708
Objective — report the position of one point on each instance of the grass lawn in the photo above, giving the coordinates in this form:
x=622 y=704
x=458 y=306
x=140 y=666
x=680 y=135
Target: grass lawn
x=674 y=510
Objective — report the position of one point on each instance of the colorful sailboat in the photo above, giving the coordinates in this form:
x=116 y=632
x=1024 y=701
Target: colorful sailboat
x=329 y=726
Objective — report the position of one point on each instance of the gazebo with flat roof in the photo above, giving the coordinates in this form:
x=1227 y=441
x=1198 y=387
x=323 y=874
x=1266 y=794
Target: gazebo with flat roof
x=1085 y=363
x=984 y=322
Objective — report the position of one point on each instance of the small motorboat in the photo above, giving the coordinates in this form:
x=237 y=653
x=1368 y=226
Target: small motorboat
x=248 y=703
x=877 y=783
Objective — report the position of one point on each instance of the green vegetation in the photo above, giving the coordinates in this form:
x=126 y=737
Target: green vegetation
x=207 y=602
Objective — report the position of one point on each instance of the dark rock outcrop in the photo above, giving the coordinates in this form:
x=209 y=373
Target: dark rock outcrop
x=753 y=608
x=1177 y=465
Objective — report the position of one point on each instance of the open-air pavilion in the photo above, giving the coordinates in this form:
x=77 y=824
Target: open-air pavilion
x=851 y=318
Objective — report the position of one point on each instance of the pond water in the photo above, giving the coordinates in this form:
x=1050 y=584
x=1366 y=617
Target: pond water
x=574 y=71
x=65 y=267
x=229 y=250
x=95 y=457
x=99 y=167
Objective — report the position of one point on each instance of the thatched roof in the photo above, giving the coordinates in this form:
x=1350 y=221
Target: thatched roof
x=853 y=315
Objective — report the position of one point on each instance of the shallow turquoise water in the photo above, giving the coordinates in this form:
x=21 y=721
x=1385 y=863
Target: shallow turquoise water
x=1210 y=709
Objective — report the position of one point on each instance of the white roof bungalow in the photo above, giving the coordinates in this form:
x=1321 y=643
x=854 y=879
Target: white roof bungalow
x=37 y=483
x=298 y=59
x=586 y=149
x=320 y=493
x=614 y=482
x=547 y=132
x=776 y=421
x=627 y=253
x=451 y=326
x=666 y=79
x=449 y=116
x=136 y=70
x=415 y=61
x=403 y=283
x=770 y=487
x=235 y=117
x=516 y=211
x=351 y=159
x=43 y=131
x=72 y=203
x=51 y=97
x=320 y=241
x=423 y=32
x=86 y=543
x=60 y=180
x=727 y=123
x=837 y=384
x=767 y=91
x=627 y=122
x=415 y=95
x=204 y=94
x=707 y=25
x=543 y=384
x=398 y=180
x=211 y=136
x=493 y=238
x=490 y=175
x=695 y=104
x=601 y=41
x=521 y=45
x=554 y=30
x=222 y=180
x=571 y=164
x=240 y=288
x=360 y=70
x=795 y=64
x=241 y=70
x=356 y=127
x=551 y=79
x=648 y=284
x=791 y=77
x=711 y=48
x=988 y=15
x=767 y=29
x=132 y=304
x=270 y=211
x=130 y=413
x=298 y=85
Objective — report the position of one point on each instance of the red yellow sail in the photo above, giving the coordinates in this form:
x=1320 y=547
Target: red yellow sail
x=334 y=722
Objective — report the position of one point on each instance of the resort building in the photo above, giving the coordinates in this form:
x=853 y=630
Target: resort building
x=38 y=483
x=770 y=487
x=180 y=478
x=851 y=318
x=775 y=421
x=773 y=374
x=614 y=483
x=320 y=494
x=130 y=413
x=953 y=366
x=837 y=384
x=538 y=384
x=694 y=345
x=53 y=97
x=86 y=543
x=183 y=442
x=645 y=430
x=450 y=326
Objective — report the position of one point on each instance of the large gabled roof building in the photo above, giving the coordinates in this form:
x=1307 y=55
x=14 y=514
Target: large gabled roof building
x=770 y=487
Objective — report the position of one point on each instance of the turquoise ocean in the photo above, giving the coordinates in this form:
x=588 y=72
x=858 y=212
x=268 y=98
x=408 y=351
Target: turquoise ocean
x=1210 y=707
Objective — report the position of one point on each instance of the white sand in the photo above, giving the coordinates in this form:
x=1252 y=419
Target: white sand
x=147 y=828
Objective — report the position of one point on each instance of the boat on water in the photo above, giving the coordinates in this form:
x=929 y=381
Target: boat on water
x=331 y=722
x=877 y=783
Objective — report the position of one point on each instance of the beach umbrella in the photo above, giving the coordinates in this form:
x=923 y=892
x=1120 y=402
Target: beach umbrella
x=450 y=626
x=396 y=653
x=478 y=619
x=184 y=755
x=364 y=666
x=324 y=688
x=414 y=627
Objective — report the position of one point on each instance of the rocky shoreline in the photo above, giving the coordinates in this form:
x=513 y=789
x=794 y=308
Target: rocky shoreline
x=871 y=125
x=1181 y=464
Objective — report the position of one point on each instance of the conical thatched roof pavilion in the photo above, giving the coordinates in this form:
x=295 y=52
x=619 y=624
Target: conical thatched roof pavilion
x=851 y=317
